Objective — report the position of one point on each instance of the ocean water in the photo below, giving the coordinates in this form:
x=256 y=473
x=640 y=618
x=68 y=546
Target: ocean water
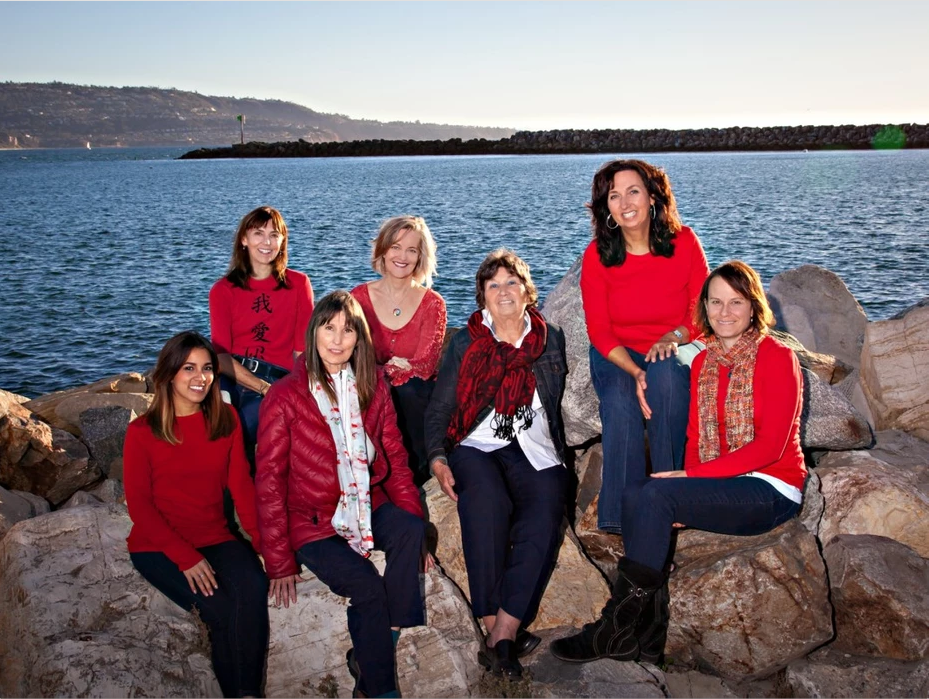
x=107 y=253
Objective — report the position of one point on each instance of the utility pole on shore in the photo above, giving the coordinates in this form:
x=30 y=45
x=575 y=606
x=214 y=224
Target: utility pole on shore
x=241 y=118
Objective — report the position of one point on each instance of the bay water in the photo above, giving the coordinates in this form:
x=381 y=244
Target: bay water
x=107 y=253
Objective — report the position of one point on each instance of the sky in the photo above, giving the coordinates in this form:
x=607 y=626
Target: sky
x=523 y=65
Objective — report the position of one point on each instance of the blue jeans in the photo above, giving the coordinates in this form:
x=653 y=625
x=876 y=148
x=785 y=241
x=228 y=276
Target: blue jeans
x=668 y=395
x=744 y=506
x=376 y=603
x=236 y=613
x=246 y=402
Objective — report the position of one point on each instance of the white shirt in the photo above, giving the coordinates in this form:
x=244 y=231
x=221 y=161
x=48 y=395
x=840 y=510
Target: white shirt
x=536 y=442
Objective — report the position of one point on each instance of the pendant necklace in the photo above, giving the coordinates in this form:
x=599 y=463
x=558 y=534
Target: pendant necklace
x=397 y=311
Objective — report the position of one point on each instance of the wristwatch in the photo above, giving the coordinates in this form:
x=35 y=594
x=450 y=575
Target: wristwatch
x=678 y=334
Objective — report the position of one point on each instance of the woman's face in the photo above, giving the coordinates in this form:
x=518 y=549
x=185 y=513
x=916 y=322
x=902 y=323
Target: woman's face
x=263 y=244
x=505 y=295
x=191 y=384
x=629 y=201
x=729 y=313
x=401 y=258
x=335 y=342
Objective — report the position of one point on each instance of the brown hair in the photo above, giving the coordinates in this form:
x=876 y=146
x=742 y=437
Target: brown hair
x=387 y=235
x=512 y=263
x=240 y=266
x=362 y=359
x=160 y=416
x=745 y=281
x=663 y=228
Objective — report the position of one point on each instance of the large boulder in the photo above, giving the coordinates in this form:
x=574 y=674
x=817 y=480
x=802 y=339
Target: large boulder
x=880 y=591
x=16 y=505
x=815 y=306
x=829 y=673
x=576 y=591
x=830 y=369
x=829 y=420
x=745 y=607
x=866 y=495
x=103 y=430
x=895 y=370
x=78 y=620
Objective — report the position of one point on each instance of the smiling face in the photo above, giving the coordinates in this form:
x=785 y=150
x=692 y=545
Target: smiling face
x=729 y=313
x=192 y=382
x=402 y=256
x=505 y=295
x=335 y=342
x=629 y=202
x=263 y=245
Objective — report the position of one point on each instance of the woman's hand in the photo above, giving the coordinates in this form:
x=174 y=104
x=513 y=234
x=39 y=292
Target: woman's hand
x=428 y=562
x=443 y=474
x=201 y=578
x=284 y=590
x=639 y=376
x=400 y=363
x=662 y=349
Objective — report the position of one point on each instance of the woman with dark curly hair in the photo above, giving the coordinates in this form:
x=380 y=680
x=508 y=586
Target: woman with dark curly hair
x=640 y=279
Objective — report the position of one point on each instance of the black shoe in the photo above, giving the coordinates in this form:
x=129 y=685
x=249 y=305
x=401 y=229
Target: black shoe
x=652 y=630
x=501 y=660
x=525 y=642
x=613 y=634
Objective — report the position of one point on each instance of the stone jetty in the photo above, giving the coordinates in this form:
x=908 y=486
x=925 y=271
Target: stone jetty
x=832 y=603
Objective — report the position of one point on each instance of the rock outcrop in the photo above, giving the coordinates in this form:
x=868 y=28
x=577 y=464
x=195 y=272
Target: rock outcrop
x=828 y=673
x=16 y=505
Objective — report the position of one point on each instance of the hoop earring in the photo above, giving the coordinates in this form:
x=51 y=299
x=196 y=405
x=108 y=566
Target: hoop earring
x=609 y=217
x=652 y=211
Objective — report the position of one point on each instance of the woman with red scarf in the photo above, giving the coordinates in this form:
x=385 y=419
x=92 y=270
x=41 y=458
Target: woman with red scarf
x=743 y=466
x=495 y=440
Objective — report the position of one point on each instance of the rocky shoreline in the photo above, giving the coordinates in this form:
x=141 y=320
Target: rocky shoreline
x=832 y=603
x=573 y=141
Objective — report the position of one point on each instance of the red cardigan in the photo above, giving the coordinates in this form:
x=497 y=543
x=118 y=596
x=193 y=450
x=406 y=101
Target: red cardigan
x=778 y=397
x=635 y=303
x=174 y=492
x=297 y=480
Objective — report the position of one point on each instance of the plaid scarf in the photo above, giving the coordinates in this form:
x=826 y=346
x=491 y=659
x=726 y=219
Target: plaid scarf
x=740 y=402
x=497 y=372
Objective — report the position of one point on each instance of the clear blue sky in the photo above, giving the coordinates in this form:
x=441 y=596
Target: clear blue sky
x=525 y=65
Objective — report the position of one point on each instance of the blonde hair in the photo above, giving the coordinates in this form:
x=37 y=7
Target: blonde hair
x=387 y=235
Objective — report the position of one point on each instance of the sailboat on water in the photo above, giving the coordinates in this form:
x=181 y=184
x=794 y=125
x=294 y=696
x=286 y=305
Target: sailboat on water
x=88 y=145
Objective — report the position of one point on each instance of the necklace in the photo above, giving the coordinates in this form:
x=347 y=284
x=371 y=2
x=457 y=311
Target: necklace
x=397 y=311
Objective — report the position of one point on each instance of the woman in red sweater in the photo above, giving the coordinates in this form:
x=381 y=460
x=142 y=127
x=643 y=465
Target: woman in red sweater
x=333 y=485
x=640 y=278
x=744 y=472
x=407 y=321
x=258 y=314
x=178 y=458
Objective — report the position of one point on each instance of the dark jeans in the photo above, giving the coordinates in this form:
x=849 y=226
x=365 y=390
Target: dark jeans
x=744 y=506
x=511 y=518
x=236 y=613
x=376 y=603
x=246 y=402
x=411 y=400
x=668 y=395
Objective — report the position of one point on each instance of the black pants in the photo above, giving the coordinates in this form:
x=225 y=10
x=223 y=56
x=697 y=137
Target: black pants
x=236 y=613
x=410 y=401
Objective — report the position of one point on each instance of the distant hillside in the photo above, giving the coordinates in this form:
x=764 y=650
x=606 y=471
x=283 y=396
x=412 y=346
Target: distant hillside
x=58 y=115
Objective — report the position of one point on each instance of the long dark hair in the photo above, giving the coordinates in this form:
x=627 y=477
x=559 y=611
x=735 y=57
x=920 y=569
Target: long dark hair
x=744 y=280
x=240 y=265
x=362 y=359
x=611 y=246
x=160 y=416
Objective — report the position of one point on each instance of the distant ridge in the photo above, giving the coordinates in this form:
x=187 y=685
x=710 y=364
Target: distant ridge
x=61 y=115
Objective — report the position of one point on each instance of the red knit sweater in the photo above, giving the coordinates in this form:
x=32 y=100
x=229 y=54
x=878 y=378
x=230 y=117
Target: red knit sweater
x=778 y=397
x=174 y=492
x=635 y=303
x=262 y=321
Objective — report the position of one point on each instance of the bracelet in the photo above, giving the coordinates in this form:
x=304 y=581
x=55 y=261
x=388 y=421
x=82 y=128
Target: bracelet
x=678 y=334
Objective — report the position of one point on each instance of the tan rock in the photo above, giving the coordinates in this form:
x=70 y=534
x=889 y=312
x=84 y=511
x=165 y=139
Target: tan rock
x=745 y=607
x=828 y=419
x=880 y=591
x=70 y=409
x=828 y=368
x=46 y=405
x=895 y=370
x=829 y=674
x=576 y=591
x=865 y=495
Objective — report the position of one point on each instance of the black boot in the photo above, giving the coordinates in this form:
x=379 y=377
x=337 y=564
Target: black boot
x=652 y=629
x=613 y=634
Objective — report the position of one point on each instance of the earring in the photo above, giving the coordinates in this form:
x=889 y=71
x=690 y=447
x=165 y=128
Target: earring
x=609 y=217
x=652 y=211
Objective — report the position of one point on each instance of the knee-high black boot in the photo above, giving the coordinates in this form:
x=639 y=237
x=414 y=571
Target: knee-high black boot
x=613 y=635
x=652 y=630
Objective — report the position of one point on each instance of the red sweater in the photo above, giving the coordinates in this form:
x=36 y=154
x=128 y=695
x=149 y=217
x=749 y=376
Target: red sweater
x=419 y=341
x=635 y=303
x=262 y=321
x=174 y=492
x=778 y=397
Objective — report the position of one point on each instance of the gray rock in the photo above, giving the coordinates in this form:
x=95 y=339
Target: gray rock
x=695 y=685
x=811 y=512
x=15 y=506
x=830 y=674
x=815 y=306
x=110 y=491
x=829 y=420
x=103 y=430
x=81 y=498
x=880 y=591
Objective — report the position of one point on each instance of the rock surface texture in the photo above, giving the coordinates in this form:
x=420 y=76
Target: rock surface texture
x=16 y=505
x=831 y=674
x=829 y=420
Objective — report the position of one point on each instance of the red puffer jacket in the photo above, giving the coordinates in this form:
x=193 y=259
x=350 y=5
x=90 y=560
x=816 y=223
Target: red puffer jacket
x=297 y=483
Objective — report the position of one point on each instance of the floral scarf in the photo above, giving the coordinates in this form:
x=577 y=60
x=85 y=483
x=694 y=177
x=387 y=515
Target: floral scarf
x=352 y=518
x=740 y=403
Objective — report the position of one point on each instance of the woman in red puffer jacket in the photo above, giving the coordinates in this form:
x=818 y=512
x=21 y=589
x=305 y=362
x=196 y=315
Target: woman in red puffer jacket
x=333 y=483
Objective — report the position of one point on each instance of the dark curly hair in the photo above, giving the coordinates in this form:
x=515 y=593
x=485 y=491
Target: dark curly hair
x=611 y=246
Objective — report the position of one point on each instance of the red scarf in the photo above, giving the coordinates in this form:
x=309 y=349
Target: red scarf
x=740 y=401
x=493 y=371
